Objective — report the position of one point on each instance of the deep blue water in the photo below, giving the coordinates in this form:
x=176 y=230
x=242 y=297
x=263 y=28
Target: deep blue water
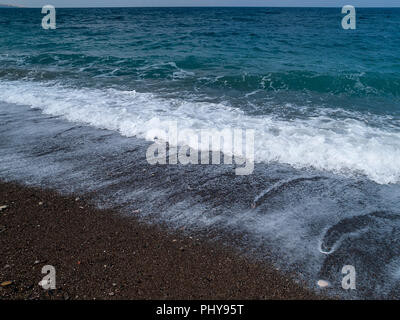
x=323 y=101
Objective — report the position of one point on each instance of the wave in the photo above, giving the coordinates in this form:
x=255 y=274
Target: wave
x=201 y=72
x=353 y=84
x=346 y=146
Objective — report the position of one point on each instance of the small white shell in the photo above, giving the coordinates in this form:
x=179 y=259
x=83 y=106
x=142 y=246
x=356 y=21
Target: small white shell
x=323 y=283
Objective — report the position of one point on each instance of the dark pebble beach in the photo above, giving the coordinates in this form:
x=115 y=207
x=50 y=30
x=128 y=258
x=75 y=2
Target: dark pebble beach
x=99 y=254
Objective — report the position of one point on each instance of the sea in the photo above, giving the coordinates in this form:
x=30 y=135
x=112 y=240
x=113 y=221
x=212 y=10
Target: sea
x=77 y=103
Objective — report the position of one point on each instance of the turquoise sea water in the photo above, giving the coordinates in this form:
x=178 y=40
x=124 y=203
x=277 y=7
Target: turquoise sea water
x=295 y=69
x=323 y=101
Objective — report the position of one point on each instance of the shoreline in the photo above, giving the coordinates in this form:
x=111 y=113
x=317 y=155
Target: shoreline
x=100 y=254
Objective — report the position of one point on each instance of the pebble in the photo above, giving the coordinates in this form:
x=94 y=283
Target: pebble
x=40 y=203
x=136 y=211
x=3 y=207
x=323 y=283
x=6 y=283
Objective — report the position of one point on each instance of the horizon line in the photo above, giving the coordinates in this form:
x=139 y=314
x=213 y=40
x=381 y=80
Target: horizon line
x=101 y=7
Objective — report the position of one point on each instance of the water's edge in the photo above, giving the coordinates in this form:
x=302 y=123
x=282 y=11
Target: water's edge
x=310 y=223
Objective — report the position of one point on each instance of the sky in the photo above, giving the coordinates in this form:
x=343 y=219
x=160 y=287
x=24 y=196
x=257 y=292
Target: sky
x=184 y=3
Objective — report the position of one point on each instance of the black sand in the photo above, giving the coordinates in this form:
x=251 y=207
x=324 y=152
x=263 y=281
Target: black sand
x=101 y=255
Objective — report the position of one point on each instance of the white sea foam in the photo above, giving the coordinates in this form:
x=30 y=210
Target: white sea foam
x=345 y=146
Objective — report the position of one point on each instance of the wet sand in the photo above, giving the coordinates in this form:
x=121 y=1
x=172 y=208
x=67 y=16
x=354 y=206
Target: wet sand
x=99 y=254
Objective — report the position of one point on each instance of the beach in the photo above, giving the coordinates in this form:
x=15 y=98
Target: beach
x=102 y=255
x=312 y=107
